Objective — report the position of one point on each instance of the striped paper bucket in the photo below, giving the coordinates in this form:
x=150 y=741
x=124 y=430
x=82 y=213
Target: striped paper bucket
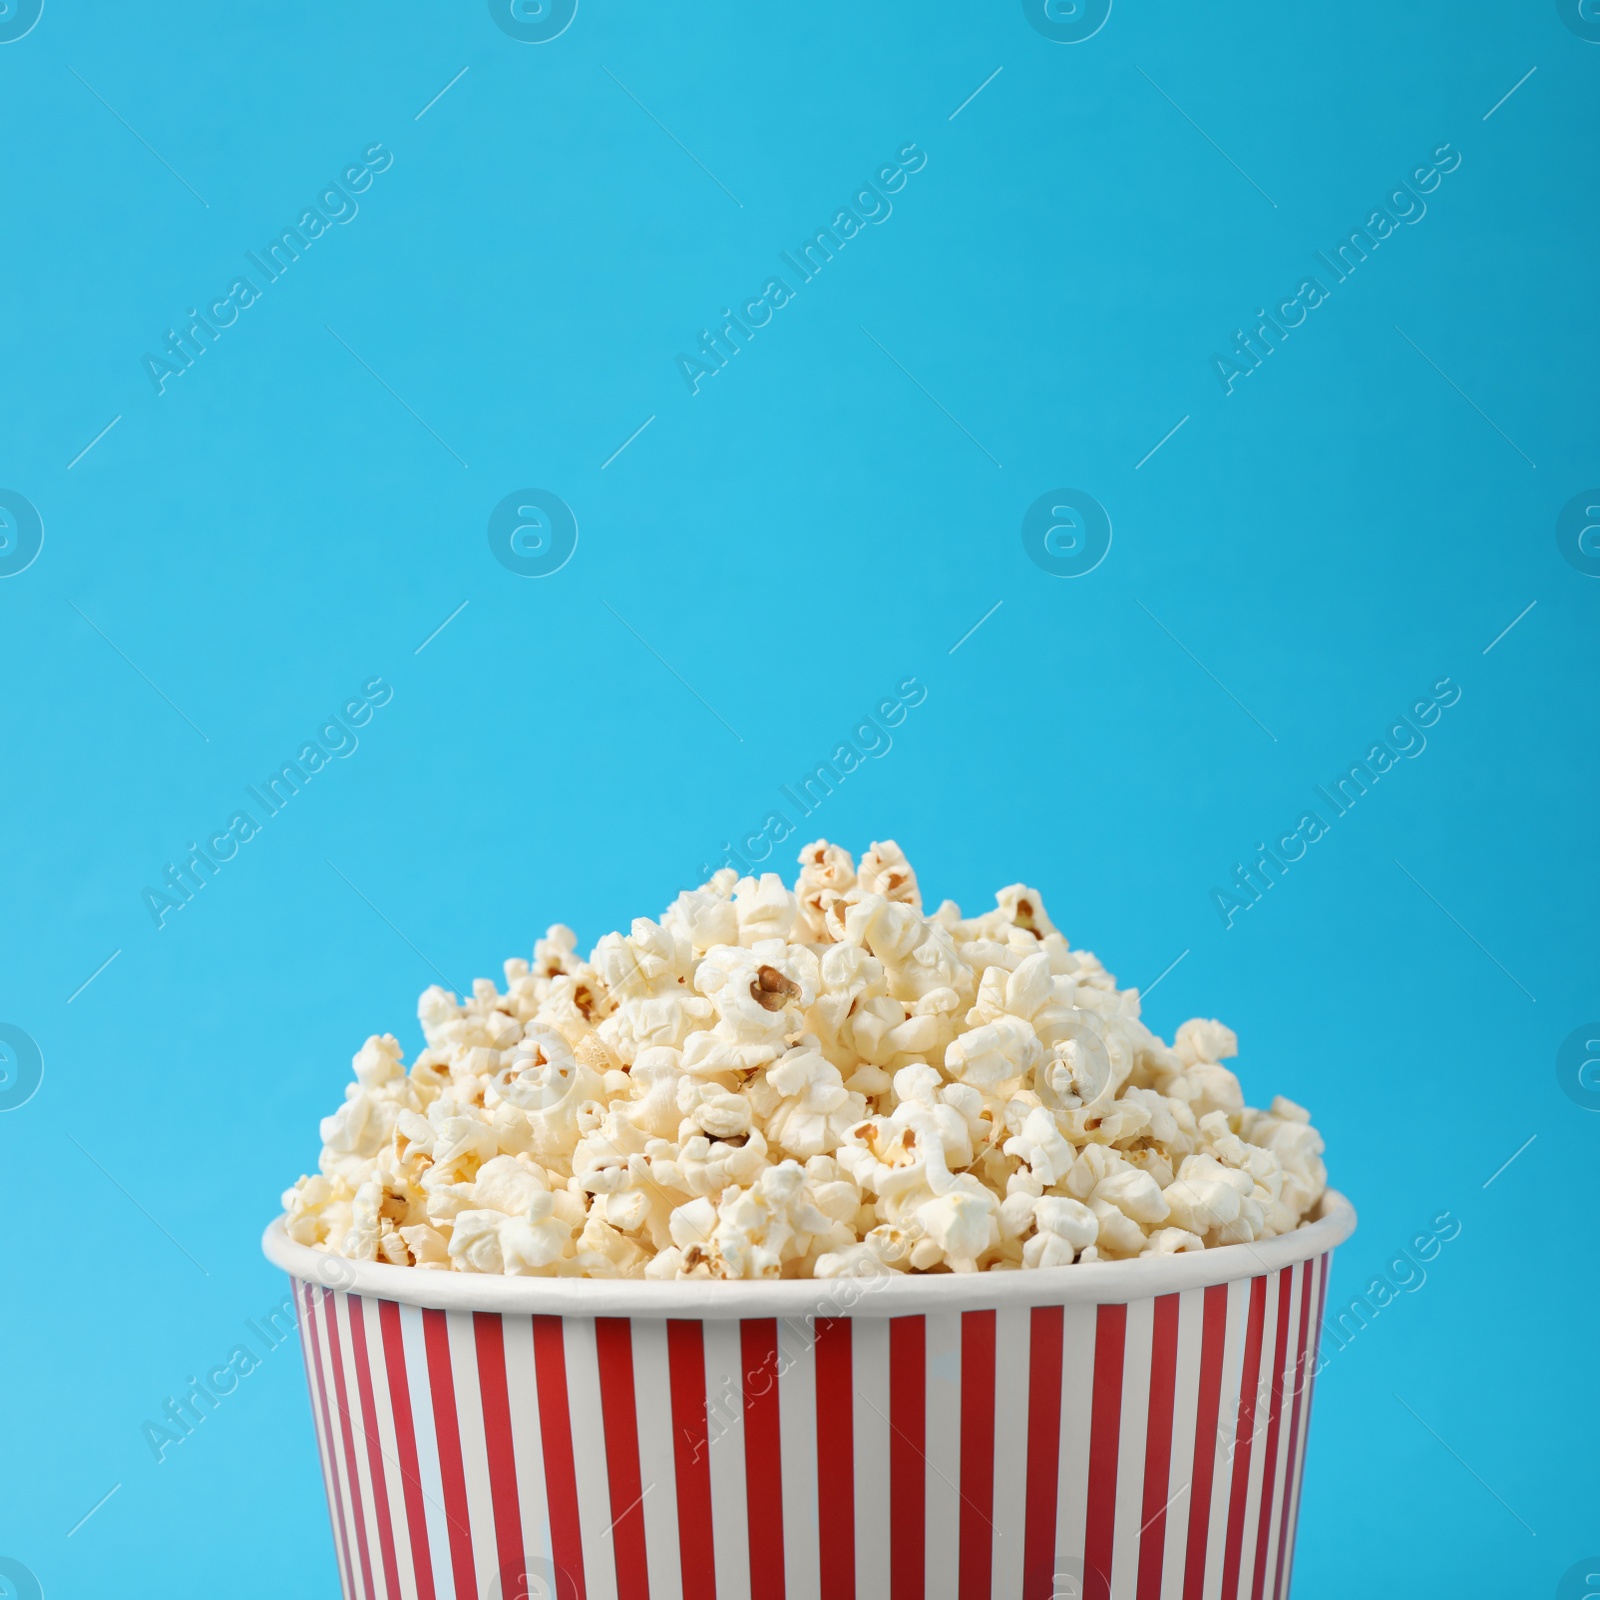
x=1119 y=1429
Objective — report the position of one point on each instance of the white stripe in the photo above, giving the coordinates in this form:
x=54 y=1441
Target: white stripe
x=1258 y=1441
x=1077 y=1400
x=302 y=1317
x=869 y=1372
x=589 y=1457
x=366 y=1513
x=730 y=1538
x=1136 y=1351
x=389 y=1443
x=942 y=1467
x=527 y=1439
x=411 y=1335
x=1284 y=1475
x=1281 y=1534
x=652 y=1398
x=1227 y=1422
x=1285 y=1382
x=1011 y=1356
x=1317 y=1311
x=306 y=1300
x=474 y=1445
x=797 y=1413
x=1304 y=1300
x=1258 y=1437
x=347 y=1530
x=1318 y=1308
x=346 y=1308
x=1185 y=1419
x=1298 y=1464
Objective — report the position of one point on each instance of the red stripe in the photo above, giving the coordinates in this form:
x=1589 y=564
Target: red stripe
x=1212 y=1341
x=447 y=1430
x=613 y=1338
x=1105 y=1426
x=489 y=1336
x=375 y=1464
x=405 y=1434
x=1158 y=1447
x=352 y=1469
x=1244 y=1436
x=977 y=1454
x=1290 y=1476
x=691 y=1455
x=1311 y=1394
x=908 y=1437
x=560 y=1476
x=763 y=1461
x=836 y=1468
x=1100 y=1517
x=1269 y=1464
x=312 y=1350
x=1045 y=1336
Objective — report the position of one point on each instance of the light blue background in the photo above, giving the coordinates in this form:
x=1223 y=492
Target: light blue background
x=814 y=526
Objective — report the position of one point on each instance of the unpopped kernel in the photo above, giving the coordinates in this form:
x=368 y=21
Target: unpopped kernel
x=792 y=1083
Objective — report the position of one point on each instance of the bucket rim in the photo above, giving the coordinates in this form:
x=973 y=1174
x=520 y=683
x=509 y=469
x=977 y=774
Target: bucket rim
x=889 y=1295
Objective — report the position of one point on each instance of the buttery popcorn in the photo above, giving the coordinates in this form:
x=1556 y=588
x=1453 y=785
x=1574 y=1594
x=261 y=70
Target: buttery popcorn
x=794 y=1083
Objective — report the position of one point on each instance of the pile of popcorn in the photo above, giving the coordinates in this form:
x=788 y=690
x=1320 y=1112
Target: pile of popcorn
x=793 y=1083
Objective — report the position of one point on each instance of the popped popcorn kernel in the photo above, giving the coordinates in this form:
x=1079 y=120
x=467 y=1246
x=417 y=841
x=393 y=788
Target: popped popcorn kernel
x=810 y=1082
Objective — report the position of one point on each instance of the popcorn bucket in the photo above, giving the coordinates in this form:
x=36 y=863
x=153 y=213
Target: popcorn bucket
x=1131 y=1428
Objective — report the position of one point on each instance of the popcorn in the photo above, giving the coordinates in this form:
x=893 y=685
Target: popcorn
x=884 y=870
x=756 y=1233
x=804 y=1102
x=821 y=1081
x=533 y=1244
x=1064 y=1227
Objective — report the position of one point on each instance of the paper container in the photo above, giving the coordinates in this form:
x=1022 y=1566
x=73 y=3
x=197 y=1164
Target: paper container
x=1118 y=1429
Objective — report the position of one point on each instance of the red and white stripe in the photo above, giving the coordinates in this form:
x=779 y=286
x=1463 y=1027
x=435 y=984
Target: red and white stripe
x=1151 y=1450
